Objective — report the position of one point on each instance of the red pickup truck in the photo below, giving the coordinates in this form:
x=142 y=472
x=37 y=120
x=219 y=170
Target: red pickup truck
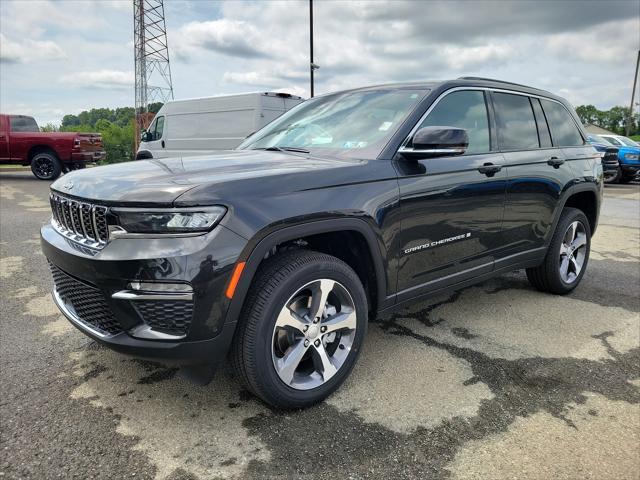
x=48 y=153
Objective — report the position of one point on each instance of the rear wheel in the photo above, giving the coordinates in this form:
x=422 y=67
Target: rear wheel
x=46 y=165
x=301 y=329
x=626 y=178
x=567 y=256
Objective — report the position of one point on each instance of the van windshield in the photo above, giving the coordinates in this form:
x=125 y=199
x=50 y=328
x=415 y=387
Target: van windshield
x=355 y=124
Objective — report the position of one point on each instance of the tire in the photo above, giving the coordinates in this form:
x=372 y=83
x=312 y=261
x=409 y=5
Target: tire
x=552 y=276
x=266 y=339
x=614 y=178
x=46 y=165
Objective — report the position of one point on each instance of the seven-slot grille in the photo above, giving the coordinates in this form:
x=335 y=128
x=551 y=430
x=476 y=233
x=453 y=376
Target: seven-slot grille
x=82 y=222
x=88 y=302
x=610 y=157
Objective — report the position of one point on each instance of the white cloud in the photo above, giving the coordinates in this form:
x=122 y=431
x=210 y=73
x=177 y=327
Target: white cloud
x=29 y=51
x=99 y=79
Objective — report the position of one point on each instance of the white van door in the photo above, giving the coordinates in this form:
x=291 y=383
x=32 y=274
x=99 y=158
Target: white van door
x=156 y=142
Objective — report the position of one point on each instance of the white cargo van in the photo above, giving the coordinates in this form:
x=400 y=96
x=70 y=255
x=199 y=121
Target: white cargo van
x=196 y=126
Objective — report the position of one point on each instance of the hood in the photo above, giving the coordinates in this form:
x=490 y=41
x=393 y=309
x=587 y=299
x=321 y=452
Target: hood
x=162 y=181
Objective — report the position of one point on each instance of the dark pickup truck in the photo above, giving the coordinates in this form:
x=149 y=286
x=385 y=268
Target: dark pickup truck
x=48 y=153
x=348 y=206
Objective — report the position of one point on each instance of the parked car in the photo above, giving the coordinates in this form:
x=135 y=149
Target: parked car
x=609 y=155
x=202 y=125
x=628 y=156
x=347 y=207
x=48 y=153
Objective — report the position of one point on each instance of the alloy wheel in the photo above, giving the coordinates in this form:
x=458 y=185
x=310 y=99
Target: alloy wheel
x=44 y=167
x=573 y=251
x=313 y=334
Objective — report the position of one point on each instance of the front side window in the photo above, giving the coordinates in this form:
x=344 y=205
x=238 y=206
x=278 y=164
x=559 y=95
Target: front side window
x=23 y=124
x=516 y=123
x=613 y=141
x=353 y=124
x=159 y=126
x=463 y=109
x=564 y=131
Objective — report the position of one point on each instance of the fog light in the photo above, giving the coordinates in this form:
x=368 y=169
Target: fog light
x=160 y=287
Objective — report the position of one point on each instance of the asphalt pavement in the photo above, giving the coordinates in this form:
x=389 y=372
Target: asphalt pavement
x=497 y=381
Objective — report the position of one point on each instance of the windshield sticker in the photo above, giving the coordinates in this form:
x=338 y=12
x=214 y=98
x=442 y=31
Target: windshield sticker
x=354 y=144
x=437 y=243
x=385 y=126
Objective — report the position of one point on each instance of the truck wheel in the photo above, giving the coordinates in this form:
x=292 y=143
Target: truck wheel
x=626 y=178
x=614 y=178
x=301 y=329
x=567 y=256
x=46 y=166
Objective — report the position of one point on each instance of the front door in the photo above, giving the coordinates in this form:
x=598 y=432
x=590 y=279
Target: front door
x=451 y=206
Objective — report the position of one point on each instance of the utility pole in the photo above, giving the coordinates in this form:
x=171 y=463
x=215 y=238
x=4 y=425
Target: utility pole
x=312 y=66
x=633 y=96
x=152 y=68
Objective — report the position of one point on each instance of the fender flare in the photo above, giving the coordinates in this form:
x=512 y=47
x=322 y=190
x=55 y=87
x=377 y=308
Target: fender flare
x=573 y=189
x=257 y=249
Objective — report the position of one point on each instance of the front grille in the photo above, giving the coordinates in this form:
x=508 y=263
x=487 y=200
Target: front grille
x=610 y=157
x=167 y=316
x=82 y=222
x=88 y=302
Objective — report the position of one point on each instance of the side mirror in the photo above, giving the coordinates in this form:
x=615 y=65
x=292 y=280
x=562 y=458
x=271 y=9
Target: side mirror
x=436 y=142
x=145 y=136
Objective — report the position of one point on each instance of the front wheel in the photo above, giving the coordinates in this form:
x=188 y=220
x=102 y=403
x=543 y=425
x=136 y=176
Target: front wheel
x=46 y=166
x=567 y=256
x=301 y=329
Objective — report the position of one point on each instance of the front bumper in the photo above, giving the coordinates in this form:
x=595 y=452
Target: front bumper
x=95 y=285
x=630 y=169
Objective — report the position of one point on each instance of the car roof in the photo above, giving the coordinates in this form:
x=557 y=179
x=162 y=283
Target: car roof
x=442 y=85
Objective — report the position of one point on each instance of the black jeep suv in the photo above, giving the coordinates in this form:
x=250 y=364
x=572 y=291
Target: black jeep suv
x=346 y=207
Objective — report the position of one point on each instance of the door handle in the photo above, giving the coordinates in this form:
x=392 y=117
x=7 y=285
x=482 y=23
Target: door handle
x=555 y=162
x=162 y=143
x=489 y=169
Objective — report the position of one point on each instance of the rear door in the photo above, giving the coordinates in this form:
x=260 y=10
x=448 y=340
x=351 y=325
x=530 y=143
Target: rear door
x=451 y=211
x=538 y=172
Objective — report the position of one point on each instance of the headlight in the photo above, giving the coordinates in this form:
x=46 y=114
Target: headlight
x=187 y=220
x=631 y=156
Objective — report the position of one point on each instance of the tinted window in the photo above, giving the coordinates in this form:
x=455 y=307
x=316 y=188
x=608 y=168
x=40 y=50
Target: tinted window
x=613 y=141
x=464 y=109
x=24 y=124
x=159 y=126
x=516 y=124
x=563 y=128
x=541 y=121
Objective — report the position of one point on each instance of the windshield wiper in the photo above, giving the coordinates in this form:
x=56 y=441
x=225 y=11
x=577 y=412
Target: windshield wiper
x=284 y=149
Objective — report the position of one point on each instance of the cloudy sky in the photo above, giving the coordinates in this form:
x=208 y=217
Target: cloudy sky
x=59 y=57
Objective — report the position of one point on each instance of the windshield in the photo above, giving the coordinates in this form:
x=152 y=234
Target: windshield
x=628 y=142
x=354 y=124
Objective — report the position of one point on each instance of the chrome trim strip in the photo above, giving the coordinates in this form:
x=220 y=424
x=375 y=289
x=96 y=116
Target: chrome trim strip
x=73 y=318
x=116 y=231
x=432 y=150
x=146 y=332
x=131 y=295
x=482 y=89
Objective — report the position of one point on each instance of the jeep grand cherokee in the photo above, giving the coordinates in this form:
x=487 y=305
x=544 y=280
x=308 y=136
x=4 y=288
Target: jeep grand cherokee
x=350 y=205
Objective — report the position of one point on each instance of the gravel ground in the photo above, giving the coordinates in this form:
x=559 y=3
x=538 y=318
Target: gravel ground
x=497 y=381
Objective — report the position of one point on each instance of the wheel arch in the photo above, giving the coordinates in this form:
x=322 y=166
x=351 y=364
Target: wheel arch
x=256 y=251
x=584 y=198
x=40 y=148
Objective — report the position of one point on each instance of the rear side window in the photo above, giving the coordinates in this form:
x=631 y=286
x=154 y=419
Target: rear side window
x=463 y=109
x=564 y=131
x=516 y=124
x=543 y=127
x=23 y=124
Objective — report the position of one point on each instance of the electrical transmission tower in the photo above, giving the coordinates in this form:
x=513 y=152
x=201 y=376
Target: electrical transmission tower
x=153 y=71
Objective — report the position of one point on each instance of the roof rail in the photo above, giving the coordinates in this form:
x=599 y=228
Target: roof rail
x=494 y=80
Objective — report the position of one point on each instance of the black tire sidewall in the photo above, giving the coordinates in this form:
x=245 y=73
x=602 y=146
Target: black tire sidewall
x=553 y=261
x=267 y=377
x=57 y=167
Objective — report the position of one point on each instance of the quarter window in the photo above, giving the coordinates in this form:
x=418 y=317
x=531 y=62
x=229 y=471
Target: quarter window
x=563 y=128
x=516 y=123
x=463 y=109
